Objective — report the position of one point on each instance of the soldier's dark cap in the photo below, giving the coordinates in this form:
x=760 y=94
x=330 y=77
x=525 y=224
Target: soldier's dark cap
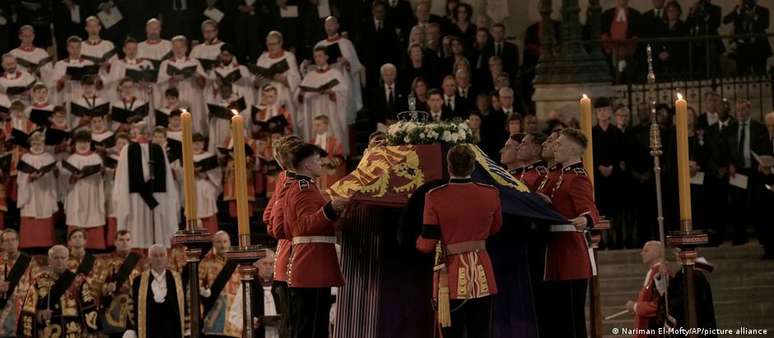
x=198 y=137
x=602 y=102
x=305 y=150
x=82 y=136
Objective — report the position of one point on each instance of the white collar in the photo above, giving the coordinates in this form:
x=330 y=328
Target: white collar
x=161 y=275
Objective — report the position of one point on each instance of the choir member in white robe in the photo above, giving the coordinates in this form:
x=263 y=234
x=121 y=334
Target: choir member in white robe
x=84 y=206
x=230 y=71
x=135 y=67
x=155 y=49
x=15 y=83
x=94 y=49
x=348 y=64
x=268 y=109
x=189 y=78
x=5 y=104
x=287 y=82
x=111 y=163
x=171 y=104
x=331 y=102
x=220 y=124
x=37 y=197
x=207 y=52
x=60 y=150
x=68 y=88
x=128 y=102
x=102 y=138
x=144 y=192
x=88 y=104
x=175 y=136
x=34 y=60
x=209 y=184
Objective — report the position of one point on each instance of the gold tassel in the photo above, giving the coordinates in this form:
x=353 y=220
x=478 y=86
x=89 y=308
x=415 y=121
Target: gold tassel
x=444 y=309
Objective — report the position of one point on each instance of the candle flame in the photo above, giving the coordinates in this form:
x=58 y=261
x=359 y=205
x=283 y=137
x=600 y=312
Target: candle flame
x=679 y=96
x=585 y=96
x=235 y=112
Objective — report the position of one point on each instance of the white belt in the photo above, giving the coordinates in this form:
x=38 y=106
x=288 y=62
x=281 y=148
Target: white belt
x=563 y=228
x=314 y=239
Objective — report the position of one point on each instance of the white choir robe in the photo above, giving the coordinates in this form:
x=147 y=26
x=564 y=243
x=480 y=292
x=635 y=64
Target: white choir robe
x=5 y=104
x=207 y=189
x=244 y=86
x=83 y=101
x=284 y=93
x=130 y=105
x=20 y=78
x=118 y=69
x=269 y=309
x=109 y=179
x=38 y=57
x=72 y=89
x=155 y=52
x=148 y=226
x=320 y=104
x=176 y=166
x=191 y=95
x=84 y=206
x=356 y=70
x=220 y=129
x=37 y=199
x=99 y=50
x=206 y=51
x=46 y=106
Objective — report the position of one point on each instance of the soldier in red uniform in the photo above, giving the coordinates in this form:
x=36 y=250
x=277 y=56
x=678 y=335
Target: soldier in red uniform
x=272 y=217
x=460 y=231
x=313 y=267
x=645 y=308
x=528 y=153
x=569 y=260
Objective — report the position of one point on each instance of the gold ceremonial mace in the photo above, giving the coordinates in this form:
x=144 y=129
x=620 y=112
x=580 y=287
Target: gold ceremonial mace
x=245 y=253
x=194 y=238
x=595 y=305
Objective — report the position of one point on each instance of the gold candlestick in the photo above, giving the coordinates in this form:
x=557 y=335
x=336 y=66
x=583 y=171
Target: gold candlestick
x=240 y=180
x=189 y=179
x=586 y=126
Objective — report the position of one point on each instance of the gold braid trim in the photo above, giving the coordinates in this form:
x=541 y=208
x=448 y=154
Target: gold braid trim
x=180 y=299
x=142 y=306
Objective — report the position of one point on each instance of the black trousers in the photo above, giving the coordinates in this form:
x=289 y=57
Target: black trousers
x=283 y=308
x=470 y=318
x=309 y=312
x=567 y=300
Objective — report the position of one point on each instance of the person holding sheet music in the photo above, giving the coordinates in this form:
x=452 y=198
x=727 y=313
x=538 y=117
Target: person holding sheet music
x=141 y=71
x=209 y=179
x=128 y=108
x=69 y=71
x=41 y=109
x=19 y=269
x=57 y=136
x=334 y=164
x=58 y=301
x=342 y=54
x=269 y=111
x=102 y=138
x=220 y=111
x=207 y=53
x=83 y=206
x=155 y=49
x=110 y=159
x=324 y=91
x=278 y=68
x=37 y=195
x=89 y=104
x=171 y=105
x=15 y=83
x=34 y=60
x=187 y=75
x=229 y=71
x=100 y=52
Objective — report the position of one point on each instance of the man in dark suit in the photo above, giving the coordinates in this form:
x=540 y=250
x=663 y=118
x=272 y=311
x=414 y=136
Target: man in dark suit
x=436 y=110
x=423 y=17
x=716 y=172
x=704 y=19
x=465 y=90
x=745 y=140
x=766 y=231
x=751 y=52
x=619 y=25
x=378 y=43
x=386 y=99
x=653 y=22
x=178 y=17
x=507 y=51
x=451 y=102
x=400 y=14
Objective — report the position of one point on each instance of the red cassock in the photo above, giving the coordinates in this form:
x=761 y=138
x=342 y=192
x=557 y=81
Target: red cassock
x=310 y=221
x=567 y=252
x=531 y=175
x=646 y=307
x=273 y=218
x=463 y=229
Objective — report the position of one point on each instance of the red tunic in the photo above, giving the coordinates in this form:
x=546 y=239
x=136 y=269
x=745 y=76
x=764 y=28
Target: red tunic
x=567 y=254
x=272 y=217
x=470 y=273
x=306 y=213
x=646 y=307
x=531 y=175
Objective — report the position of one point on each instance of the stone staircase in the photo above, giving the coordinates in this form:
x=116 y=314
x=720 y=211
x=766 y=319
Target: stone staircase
x=742 y=286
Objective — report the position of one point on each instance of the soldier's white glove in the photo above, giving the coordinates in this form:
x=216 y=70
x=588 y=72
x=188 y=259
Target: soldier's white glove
x=129 y=334
x=206 y=293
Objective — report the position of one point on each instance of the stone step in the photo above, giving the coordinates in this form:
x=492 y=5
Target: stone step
x=748 y=265
x=620 y=283
x=739 y=294
x=632 y=256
